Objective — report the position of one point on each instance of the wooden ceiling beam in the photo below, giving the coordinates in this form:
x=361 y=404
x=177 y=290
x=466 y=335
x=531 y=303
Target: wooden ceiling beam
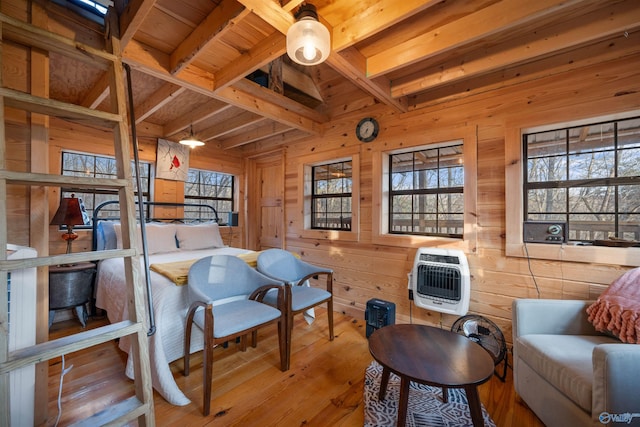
x=201 y=113
x=237 y=122
x=157 y=100
x=620 y=48
x=271 y=13
x=98 y=92
x=253 y=97
x=580 y=31
x=351 y=64
x=374 y=19
x=132 y=18
x=271 y=48
x=213 y=27
x=496 y=18
x=281 y=109
x=256 y=134
x=299 y=80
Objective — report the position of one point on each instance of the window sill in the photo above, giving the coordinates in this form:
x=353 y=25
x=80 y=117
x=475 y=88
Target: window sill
x=574 y=253
x=347 y=236
x=414 y=241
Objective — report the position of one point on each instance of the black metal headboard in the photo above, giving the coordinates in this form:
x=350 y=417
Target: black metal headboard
x=205 y=213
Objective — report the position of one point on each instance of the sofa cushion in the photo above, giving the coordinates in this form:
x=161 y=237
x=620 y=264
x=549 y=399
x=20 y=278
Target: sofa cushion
x=565 y=361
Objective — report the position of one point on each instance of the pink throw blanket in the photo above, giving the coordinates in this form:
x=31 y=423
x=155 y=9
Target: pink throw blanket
x=618 y=308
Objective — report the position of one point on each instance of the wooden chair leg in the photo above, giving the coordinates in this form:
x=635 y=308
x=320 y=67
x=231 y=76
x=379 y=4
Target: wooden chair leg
x=243 y=343
x=207 y=376
x=330 y=317
x=187 y=348
x=288 y=335
x=254 y=339
x=282 y=343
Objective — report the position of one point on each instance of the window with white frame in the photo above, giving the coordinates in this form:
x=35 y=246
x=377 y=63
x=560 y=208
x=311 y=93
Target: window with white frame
x=207 y=187
x=331 y=206
x=90 y=165
x=586 y=176
x=426 y=191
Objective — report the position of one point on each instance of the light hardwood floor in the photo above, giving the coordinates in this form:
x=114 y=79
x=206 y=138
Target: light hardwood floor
x=323 y=387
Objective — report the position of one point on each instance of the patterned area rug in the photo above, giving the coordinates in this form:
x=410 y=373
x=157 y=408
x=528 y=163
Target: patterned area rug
x=425 y=408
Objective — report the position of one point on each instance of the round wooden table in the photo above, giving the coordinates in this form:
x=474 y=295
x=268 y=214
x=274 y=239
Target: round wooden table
x=431 y=356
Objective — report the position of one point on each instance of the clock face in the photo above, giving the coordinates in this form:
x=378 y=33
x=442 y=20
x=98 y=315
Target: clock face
x=367 y=129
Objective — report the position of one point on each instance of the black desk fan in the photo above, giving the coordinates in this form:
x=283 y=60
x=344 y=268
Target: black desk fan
x=487 y=334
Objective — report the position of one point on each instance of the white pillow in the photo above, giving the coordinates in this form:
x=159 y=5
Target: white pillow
x=200 y=236
x=117 y=228
x=161 y=238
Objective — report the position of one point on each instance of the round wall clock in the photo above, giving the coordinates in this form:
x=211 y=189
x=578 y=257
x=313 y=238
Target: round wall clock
x=367 y=129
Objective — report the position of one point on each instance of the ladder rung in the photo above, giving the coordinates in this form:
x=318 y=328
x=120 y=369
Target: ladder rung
x=18 y=31
x=30 y=178
x=51 y=107
x=73 y=258
x=117 y=414
x=48 y=350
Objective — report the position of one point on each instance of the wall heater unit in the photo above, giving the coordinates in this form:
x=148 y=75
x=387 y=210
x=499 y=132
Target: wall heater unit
x=440 y=280
x=22 y=333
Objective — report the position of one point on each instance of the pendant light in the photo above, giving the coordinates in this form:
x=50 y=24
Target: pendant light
x=191 y=140
x=308 y=41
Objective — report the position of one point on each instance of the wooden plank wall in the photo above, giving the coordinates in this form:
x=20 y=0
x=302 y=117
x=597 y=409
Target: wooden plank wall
x=606 y=82
x=365 y=270
x=68 y=136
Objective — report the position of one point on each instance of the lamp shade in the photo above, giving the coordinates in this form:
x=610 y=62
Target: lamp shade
x=308 y=41
x=191 y=140
x=69 y=212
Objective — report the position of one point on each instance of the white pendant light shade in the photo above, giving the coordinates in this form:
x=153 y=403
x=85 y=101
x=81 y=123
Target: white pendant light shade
x=308 y=41
x=191 y=140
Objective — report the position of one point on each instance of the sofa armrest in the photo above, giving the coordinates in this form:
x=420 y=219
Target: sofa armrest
x=616 y=380
x=547 y=316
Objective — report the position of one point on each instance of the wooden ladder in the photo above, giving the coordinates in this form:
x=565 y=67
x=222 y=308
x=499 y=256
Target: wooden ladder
x=139 y=406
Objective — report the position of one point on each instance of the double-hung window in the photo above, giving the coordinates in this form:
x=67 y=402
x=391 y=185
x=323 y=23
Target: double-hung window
x=586 y=176
x=426 y=191
x=207 y=187
x=331 y=196
x=89 y=165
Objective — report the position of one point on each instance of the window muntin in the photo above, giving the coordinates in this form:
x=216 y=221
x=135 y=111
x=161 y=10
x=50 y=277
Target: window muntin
x=207 y=187
x=587 y=176
x=331 y=206
x=89 y=165
x=426 y=191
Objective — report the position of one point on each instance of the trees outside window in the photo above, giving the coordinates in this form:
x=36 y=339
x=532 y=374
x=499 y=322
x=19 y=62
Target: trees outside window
x=207 y=187
x=90 y=165
x=426 y=191
x=586 y=176
x=331 y=206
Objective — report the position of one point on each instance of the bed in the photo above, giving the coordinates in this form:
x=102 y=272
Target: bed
x=168 y=241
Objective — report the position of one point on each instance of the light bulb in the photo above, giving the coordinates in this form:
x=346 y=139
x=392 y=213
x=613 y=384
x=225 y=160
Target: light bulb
x=309 y=50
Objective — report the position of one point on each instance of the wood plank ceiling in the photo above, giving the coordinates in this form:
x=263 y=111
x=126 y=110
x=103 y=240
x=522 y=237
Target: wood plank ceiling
x=190 y=59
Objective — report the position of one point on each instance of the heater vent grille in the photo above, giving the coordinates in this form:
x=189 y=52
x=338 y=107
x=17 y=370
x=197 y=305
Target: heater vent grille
x=440 y=280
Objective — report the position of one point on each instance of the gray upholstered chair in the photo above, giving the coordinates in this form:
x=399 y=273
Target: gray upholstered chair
x=284 y=266
x=225 y=296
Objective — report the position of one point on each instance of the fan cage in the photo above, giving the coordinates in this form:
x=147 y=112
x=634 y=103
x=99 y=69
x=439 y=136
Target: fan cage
x=477 y=328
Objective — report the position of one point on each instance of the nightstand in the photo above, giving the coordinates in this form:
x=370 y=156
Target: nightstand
x=71 y=286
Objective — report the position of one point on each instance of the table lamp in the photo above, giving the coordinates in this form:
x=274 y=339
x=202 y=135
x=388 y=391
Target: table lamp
x=69 y=214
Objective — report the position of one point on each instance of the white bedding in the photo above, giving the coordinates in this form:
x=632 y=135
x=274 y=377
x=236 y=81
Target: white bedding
x=170 y=305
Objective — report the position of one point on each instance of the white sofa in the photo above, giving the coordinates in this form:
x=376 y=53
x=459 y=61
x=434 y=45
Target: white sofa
x=568 y=373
